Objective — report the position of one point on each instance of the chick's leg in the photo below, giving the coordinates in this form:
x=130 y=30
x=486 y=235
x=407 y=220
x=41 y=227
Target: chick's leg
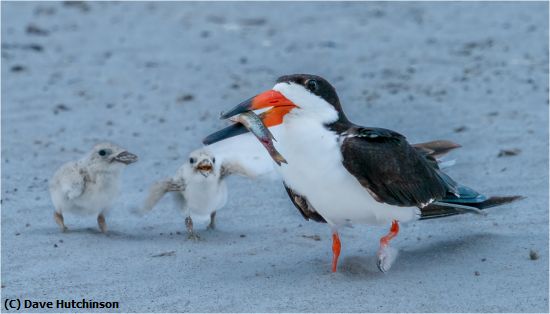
x=58 y=216
x=212 y=224
x=101 y=223
x=190 y=232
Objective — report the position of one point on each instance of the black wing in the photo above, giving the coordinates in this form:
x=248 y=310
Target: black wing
x=304 y=206
x=391 y=170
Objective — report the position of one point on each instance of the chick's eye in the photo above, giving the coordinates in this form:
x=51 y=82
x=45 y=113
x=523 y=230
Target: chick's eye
x=102 y=152
x=213 y=160
x=312 y=85
x=192 y=160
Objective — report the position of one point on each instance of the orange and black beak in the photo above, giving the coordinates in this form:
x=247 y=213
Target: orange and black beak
x=270 y=98
x=280 y=106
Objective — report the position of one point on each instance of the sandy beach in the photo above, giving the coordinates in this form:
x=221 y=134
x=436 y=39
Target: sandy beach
x=153 y=77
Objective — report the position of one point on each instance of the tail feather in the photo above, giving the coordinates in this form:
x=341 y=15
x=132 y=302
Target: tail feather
x=461 y=209
x=469 y=203
x=497 y=201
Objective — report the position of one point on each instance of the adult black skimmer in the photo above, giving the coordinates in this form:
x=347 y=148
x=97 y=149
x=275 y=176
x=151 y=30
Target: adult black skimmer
x=342 y=173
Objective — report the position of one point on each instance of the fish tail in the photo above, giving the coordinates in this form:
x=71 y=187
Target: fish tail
x=278 y=158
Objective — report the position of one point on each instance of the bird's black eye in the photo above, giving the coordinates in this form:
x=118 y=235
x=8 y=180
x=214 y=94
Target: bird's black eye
x=192 y=160
x=312 y=85
x=102 y=152
x=214 y=160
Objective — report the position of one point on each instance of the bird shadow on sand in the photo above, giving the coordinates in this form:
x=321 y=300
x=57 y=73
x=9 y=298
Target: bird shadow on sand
x=152 y=233
x=75 y=231
x=161 y=233
x=417 y=256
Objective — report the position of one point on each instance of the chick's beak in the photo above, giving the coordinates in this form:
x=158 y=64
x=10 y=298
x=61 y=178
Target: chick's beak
x=126 y=158
x=205 y=167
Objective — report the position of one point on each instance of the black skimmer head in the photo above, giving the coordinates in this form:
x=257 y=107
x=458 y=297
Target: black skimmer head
x=298 y=94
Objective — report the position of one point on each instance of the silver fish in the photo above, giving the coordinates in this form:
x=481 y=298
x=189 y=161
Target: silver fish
x=254 y=124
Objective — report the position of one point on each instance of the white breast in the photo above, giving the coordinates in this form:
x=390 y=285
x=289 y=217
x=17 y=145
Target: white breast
x=99 y=194
x=204 y=195
x=315 y=171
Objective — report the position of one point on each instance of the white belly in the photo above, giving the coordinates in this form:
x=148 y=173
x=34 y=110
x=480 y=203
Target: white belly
x=98 y=196
x=315 y=171
x=202 y=197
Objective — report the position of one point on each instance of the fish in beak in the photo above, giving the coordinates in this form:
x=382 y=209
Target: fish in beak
x=254 y=124
x=125 y=158
x=279 y=104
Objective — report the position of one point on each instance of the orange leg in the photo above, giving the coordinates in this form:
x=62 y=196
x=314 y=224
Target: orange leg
x=394 y=230
x=336 y=245
x=386 y=254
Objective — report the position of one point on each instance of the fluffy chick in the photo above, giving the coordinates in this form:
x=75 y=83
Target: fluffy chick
x=199 y=186
x=90 y=185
